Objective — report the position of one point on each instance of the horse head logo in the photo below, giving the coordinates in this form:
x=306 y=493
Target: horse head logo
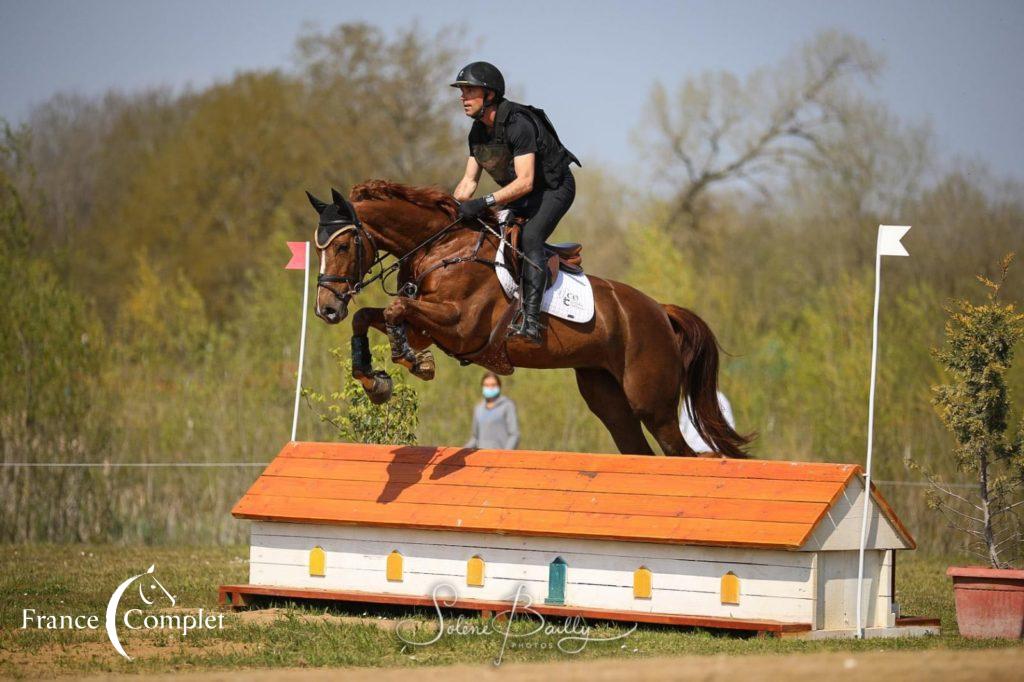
x=149 y=589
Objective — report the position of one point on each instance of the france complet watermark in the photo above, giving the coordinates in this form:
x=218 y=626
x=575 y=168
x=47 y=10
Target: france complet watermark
x=150 y=591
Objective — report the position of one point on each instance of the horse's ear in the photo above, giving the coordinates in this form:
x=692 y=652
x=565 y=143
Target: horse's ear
x=346 y=209
x=317 y=204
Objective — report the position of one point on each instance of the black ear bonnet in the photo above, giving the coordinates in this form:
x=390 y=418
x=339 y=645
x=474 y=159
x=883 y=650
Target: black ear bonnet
x=337 y=218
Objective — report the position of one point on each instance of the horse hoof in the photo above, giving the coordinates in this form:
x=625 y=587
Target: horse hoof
x=380 y=392
x=425 y=366
x=407 y=359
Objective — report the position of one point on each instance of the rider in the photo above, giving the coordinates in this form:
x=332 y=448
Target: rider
x=517 y=145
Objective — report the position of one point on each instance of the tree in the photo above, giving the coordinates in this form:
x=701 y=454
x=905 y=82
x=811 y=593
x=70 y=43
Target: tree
x=50 y=353
x=975 y=407
x=716 y=130
x=200 y=180
x=379 y=106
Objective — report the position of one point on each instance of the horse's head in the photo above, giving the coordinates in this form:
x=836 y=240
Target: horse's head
x=346 y=253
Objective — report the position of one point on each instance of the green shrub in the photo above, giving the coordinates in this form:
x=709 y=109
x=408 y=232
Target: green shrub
x=355 y=418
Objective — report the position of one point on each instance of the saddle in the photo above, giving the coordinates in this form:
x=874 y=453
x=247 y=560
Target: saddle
x=566 y=256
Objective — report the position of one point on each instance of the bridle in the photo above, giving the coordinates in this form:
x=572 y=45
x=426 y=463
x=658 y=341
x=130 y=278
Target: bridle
x=359 y=282
x=356 y=284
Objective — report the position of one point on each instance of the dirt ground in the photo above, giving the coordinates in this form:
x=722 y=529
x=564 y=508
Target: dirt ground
x=945 y=664
x=269 y=615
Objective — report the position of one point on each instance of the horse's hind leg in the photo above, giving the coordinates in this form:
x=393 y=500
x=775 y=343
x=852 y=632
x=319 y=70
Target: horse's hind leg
x=664 y=426
x=432 y=318
x=653 y=392
x=409 y=349
x=606 y=399
x=419 y=363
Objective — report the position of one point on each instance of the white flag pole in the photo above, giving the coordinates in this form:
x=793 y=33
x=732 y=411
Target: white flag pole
x=888 y=245
x=302 y=343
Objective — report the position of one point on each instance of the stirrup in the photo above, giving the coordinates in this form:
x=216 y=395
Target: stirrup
x=519 y=329
x=534 y=339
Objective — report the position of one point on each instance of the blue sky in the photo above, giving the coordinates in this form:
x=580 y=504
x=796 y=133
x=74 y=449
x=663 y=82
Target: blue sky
x=591 y=65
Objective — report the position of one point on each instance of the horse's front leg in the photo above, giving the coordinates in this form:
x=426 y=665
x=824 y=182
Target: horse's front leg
x=428 y=319
x=413 y=354
x=377 y=384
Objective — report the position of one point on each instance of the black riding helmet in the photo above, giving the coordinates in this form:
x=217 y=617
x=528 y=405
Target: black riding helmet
x=484 y=75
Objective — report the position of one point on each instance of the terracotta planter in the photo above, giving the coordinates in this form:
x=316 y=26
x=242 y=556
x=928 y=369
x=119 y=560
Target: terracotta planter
x=989 y=601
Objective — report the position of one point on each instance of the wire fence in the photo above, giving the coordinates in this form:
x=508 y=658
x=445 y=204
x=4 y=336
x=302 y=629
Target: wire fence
x=157 y=465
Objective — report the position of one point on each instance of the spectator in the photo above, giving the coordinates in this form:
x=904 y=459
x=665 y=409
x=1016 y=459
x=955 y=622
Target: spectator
x=690 y=433
x=495 y=423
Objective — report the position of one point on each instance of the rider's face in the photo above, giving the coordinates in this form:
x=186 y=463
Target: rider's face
x=472 y=98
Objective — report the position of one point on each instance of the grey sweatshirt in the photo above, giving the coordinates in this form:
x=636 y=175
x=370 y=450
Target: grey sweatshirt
x=497 y=427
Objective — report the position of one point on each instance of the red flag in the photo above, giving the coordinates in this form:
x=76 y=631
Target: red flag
x=298 y=261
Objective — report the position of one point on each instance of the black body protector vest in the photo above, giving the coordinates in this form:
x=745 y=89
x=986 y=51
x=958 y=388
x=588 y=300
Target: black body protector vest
x=552 y=157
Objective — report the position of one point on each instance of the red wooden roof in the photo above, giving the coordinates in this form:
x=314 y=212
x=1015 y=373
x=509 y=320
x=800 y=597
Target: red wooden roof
x=755 y=503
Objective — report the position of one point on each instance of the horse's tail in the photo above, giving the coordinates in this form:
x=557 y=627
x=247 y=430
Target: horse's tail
x=699 y=350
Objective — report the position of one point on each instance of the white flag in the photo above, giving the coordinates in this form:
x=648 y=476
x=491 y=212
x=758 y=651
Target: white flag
x=889 y=237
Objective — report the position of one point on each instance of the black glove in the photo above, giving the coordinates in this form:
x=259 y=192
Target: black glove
x=472 y=208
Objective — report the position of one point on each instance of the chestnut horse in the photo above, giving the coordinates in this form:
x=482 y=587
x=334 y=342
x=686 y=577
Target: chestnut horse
x=633 y=359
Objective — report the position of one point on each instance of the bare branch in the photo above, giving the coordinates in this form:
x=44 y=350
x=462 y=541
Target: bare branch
x=961 y=514
x=780 y=118
x=968 y=531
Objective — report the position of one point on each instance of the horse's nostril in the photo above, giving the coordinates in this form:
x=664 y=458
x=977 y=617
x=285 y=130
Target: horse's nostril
x=329 y=312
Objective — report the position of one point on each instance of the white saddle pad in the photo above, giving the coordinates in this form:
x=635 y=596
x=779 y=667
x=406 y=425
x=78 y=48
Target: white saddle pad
x=571 y=298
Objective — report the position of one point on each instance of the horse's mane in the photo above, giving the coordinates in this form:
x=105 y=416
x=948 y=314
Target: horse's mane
x=427 y=197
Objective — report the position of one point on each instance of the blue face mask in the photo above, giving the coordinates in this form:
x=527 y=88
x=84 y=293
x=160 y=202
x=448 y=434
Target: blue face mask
x=491 y=392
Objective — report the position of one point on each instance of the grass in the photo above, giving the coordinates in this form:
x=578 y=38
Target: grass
x=67 y=579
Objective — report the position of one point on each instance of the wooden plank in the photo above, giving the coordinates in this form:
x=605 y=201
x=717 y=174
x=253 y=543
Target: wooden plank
x=249 y=591
x=374 y=540
x=580 y=553
x=394 y=478
x=573 y=461
x=908 y=621
x=606 y=503
x=527 y=522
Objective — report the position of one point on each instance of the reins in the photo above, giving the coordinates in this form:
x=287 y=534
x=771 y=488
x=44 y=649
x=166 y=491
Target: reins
x=359 y=282
x=411 y=288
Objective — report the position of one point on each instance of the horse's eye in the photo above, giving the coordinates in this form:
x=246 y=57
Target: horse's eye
x=342 y=247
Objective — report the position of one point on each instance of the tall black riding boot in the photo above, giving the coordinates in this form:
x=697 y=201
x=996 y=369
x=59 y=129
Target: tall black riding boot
x=529 y=326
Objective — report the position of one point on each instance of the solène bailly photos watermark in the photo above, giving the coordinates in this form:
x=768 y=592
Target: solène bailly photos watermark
x=573 y=634
x=151 y=592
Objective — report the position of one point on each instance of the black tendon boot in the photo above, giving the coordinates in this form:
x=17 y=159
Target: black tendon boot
x=529 y=326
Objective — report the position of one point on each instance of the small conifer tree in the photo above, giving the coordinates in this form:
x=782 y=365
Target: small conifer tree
x=975 y=407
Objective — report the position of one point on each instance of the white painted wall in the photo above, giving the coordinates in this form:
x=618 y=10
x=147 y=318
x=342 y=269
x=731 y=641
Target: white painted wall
x=842 y=525
x=837 y=590
x=774 y=585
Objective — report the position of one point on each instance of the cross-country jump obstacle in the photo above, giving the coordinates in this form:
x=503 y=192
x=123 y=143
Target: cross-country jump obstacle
x=749 y=545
